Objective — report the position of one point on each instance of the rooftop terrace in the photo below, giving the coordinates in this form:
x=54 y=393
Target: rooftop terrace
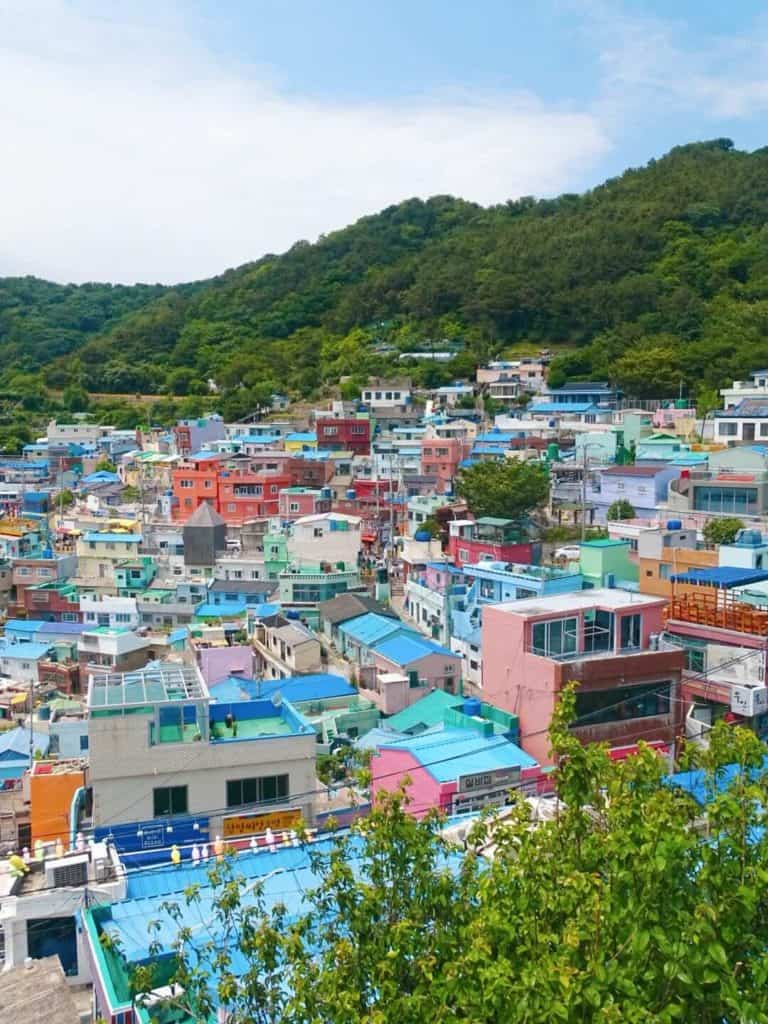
x=164 y=684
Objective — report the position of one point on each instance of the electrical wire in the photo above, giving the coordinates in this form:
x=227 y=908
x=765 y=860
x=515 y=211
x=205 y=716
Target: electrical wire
x=245 y=809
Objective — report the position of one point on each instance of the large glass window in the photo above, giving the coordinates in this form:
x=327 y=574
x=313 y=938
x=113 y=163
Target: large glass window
x=631 y=631
x=726 y=500
x=268 y=789
x=598 y=630
x=622 y=702
x=556 y=638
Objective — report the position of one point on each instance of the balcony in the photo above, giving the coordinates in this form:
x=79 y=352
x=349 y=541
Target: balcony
x=720 y=610
x=596 y=669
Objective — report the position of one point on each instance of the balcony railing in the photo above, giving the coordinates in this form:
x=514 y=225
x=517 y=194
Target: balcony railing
x=720 y=611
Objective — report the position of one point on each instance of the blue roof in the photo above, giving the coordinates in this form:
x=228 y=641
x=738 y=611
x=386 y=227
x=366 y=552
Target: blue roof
x=497 y=436
x=265 y=610
x=219 y=611
x=547 y=407
x=724 y=576
x=62 y=628
x=113 y=538
x=446 y=567
x=368 y=628
x=301 y=436
x=448 y=754
x=14 y=744
x=28 y=650
x=103 y=476
x=409 y=647
x=703 y=788
x=296 y=689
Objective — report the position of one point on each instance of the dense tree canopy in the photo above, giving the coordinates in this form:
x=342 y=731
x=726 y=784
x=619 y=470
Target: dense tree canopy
x=657 y=280
x=509 y=489
x=625 y=906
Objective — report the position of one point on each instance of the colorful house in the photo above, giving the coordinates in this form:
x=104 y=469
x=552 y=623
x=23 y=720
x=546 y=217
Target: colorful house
x=606 y=640
x=464 y=766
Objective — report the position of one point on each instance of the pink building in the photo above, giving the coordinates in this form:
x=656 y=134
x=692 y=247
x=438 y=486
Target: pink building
x=607 y=641
x=440 y=457
x=455 y=769
x=295 y=502
x=217 y=663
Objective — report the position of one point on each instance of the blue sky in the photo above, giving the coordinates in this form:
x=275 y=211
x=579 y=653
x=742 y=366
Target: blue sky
x=169 y=140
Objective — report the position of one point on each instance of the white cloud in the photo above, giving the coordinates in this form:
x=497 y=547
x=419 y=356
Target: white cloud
x=662 y=65
x=130 y=153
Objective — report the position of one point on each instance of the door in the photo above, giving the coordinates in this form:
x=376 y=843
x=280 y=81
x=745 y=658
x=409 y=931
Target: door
x=748 y=432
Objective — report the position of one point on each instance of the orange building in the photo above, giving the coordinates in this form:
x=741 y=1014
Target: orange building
x=667 y=552
x=52 y=786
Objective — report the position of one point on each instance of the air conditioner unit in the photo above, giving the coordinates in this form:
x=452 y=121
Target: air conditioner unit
x=67 y=871
x=749 y=699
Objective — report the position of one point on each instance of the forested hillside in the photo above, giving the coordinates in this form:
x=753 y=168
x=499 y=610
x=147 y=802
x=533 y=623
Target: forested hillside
x=656 y=279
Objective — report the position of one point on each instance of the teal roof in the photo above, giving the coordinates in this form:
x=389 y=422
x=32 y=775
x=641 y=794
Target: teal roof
x=424 y=713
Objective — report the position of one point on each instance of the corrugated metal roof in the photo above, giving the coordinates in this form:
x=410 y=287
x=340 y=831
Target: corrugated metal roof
x=408 y=647
x=723 y=577
x=369 y=628
x=450 y=753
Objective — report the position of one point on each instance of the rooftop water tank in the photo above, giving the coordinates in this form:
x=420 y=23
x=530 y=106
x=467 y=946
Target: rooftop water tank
x=291 y=613
x=325 y=492
x=472 y=707
x=351 y=493
x=422 y=535
x=674 y=524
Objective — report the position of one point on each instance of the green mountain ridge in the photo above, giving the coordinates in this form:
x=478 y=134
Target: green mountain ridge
x=657 y=280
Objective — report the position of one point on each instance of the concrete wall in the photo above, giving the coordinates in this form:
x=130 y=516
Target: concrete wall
x=124 y=769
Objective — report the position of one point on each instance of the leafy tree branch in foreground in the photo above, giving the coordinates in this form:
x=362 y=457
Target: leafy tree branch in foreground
x=624 y=908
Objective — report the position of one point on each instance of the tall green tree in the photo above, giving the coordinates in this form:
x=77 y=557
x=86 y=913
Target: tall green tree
x=509 y=489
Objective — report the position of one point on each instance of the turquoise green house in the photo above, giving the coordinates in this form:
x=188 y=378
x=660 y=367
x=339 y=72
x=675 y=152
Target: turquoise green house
x=607 y=562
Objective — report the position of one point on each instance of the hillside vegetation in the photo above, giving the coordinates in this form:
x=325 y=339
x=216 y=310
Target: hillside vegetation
x=657 y=279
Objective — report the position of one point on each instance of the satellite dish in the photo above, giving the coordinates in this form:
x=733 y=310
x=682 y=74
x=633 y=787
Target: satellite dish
x=277 y=698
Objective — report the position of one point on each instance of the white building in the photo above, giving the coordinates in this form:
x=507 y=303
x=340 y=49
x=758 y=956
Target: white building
x=755 y=387
x=160 y=747
x=110 y=611
x=328 y=537
x=38 y=911
x=387 y=394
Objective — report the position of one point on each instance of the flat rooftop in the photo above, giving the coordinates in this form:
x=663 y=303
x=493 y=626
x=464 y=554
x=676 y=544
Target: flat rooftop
x=609 y=598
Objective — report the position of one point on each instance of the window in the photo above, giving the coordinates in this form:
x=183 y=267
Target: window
x=83 y=744
x=22 y=570
x=330 y=431
x=727 y=429
x=122 y=617
x=620 y=703
x=318 y=531
x=186 y=483
x=631 y=631
x=169 y=800
x=294 y=507
x=664 y=568
x=208 y=484
x=554 y=639
x=473 y=665
x=273 y=489
x=357 y=428
x=268 y=789
x=463 y=555
x=764 y=430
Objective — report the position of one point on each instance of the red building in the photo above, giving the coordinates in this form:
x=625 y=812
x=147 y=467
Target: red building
x=195 y=481
x=345 y=434
x=470 y=541
x=236 y=494
x=296 y=502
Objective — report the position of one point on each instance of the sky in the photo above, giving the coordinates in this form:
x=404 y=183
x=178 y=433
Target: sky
x=166 y=141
